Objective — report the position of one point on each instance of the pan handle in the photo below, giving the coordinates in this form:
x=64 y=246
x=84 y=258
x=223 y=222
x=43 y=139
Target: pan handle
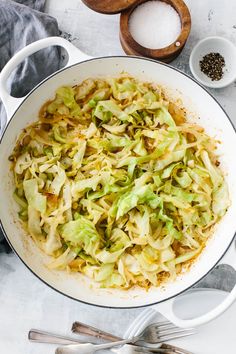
x=166 y=308
x=12 y=103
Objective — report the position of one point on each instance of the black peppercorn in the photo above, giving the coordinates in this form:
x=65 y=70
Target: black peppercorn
x=212 y=65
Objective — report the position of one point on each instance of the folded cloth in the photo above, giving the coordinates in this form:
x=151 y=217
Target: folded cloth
x=222 y=277
x=23 y=22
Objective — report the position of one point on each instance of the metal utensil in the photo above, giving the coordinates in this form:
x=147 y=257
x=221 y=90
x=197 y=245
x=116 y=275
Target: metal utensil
x=165 y=348
x=84 y=329
x=175 y=349
x=153 y=334
x=158 y=333
x=39 y=336
x=91 y=348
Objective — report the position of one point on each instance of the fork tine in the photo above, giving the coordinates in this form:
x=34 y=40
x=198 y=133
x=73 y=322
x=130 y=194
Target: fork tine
x=166 y=338
x=165 y=325
x=172 y=330
x=162 y=324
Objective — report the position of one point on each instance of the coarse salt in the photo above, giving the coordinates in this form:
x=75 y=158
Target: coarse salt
x=155 y=24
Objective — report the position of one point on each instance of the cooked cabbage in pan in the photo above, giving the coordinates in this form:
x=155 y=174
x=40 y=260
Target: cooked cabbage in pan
x=113 y=181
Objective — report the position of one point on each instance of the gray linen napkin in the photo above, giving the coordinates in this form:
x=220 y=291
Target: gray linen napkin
x=23 y=22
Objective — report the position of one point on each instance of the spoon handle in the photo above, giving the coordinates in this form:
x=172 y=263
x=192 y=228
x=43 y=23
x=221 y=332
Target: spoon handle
x=38 y=336
x=84 y=329
x=88 y=348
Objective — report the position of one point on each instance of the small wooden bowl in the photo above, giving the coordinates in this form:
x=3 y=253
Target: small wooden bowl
x=109 y=6
x=166 y=54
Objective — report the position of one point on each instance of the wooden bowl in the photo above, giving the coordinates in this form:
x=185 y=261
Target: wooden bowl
x=166 y=54
x=109 y=6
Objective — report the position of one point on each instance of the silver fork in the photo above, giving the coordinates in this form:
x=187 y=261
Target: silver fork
x=161 y=332
x=153 y=334
x=39 y=336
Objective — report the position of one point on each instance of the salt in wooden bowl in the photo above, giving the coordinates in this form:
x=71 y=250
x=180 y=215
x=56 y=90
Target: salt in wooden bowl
x=166 y=54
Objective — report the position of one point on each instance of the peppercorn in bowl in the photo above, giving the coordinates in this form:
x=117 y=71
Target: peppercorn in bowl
x=213 y=62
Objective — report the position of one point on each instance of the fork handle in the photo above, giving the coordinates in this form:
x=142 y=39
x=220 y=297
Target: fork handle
x=175 y=349
x=81 y=328
x=38 y=336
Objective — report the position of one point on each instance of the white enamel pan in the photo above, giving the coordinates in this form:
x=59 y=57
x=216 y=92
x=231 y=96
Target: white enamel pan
x=22 y=111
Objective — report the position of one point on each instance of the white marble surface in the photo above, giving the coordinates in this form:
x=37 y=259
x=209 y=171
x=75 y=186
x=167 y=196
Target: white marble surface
x=25 y=301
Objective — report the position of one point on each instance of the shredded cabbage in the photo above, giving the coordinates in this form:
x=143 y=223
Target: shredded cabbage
x=113 y=182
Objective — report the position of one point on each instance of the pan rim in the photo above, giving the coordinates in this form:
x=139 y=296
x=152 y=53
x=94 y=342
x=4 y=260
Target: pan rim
x=8 y=125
